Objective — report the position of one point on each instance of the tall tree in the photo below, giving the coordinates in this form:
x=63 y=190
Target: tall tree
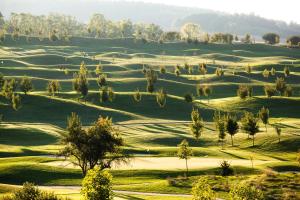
x=232 y=126
x=161 y=98
x=184 y=152
x=16 y=101
x=278 y=132
x=26 y=85
x=53 y=87
x=271 y=38
x=219 y=121
x=264 y=116
x=250 y=125
x=197 y=125
x=101 y=144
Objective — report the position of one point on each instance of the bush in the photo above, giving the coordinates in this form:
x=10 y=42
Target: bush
x=97 y=185
x=202 y=190
x=188 y=98
x=244 y=91
x=245 y=192
x=269 y=90
x=30 y=192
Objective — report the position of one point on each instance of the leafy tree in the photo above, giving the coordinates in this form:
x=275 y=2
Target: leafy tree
x=26 y=85
x=200 y=90
x=161 y=98
x=278 y=132
x=137 y=96
x=151 y=77
x=96 y=185
x=98 y=145
x=247 y=39
x=207 y=92
x=266 y=73
x=184 y=152
x=244 y=191
x=286 y=71
x=202 y=190
x=104 y=96
x=197 y=125
x=80 y=83
x=190 y=31
x=250 y=125
x=53 y=87
x=244 y=91
x=293 y=40
x=264 y=116
x=162 y=69
x=219 y=121
x=288 y=91
x=280 y=86
x=219 y=72
x=99 y=69
x=226 y=170
x=16 y=101
x=273 y=71
x=111 y=94
x=232 y=126
x=7 y=90
x=203 y=69
x=271 y=38
x=177 y=72
x=269 y=90
x=101 y=80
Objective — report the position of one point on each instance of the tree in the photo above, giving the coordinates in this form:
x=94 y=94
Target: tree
x=196 y=126
x=264 y=116
x=137 y=96
x=188 y=97
x=200 y=90
x=80 y=84
x=162 y=69
x=293 y=40
x=288 y=91
x=207 y=92
x=269 y=90
x=226 y=170
x=111 y=94
x=280 y=86
x=151 y=77
x=271 y=38
x=190 y=31
x=298 y=157
x=96 y=185
x=98 y=69
x=286 y=71
x=244 y=91
x=53 y=87
x=2 y=80
x=219 y=121
x=16 y=101
x=7 y=90
x=104 y=96
x=202 y=190
x=232 y=126
x=278 y=132
x=247 y=39
x=248 y=69
x=26 y=85
x=184 y=152
x=101 y=80
x=244 y=191
x=266 y=73
x=100 y=144
x=250 y=125
x=161 y=98
x=273 y=71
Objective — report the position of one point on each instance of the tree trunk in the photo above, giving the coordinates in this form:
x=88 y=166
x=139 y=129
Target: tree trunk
x=231 y=140
x=253 y=141
x=266 y=128
x=187 y=169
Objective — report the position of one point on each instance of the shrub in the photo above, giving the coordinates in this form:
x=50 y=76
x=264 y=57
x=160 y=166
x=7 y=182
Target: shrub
x=245 y=192
x=137 y=96
x=202 y=190
x=244 y=91
x=188 y=98
x=97 y=185
x=269 y=90
x=161 y=98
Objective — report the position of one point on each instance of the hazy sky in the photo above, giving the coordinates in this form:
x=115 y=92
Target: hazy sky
x=287 y=10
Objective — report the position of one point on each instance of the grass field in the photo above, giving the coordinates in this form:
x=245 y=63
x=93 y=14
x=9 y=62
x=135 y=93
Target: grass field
x=30 y=137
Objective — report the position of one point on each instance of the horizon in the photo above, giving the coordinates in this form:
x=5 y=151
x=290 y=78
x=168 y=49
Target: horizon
x=235 y=7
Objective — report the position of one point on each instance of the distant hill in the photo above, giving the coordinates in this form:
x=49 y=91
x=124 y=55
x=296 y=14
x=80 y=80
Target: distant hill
x=168 y=17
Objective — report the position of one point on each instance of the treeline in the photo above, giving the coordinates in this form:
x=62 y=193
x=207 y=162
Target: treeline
x=63 y=27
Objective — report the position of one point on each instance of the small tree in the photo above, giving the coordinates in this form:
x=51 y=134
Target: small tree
x=271 y=38
x=269 y=90
x=202 y=190
x=232 y=126
x=250 y=124
x=273 y=71
x=111 y=94
x=244 y=91
x=288 y=91
x=245 y=191
x=16 y=102
x=226 y=170
x=97 y=185
x=163 y=69
x=7 y=90
x=161 y=98
x=101 y=80
x=200 y=90
x=219 y=121
x=266 y=73
x=196 y=126
x=99 y=69
x=278 y=132
x=188 y=97
x=137 y=96
x=264 y=116
x=207 y=92
x=80 y=83
x=184 y=152
x=104 y=96
x=53 y=87
x=286 y=71
x=26 y=85
x=280 y=86
x=248 y=69
x=151 y=77
x=298 y=157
